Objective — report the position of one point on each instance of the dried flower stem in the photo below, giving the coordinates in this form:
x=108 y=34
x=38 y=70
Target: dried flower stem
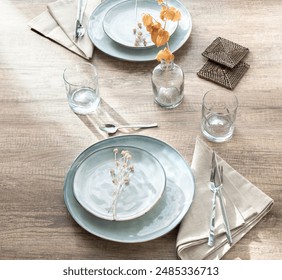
x=114 y=204
x=120 y=175
x=137 y=30
x=159 y=35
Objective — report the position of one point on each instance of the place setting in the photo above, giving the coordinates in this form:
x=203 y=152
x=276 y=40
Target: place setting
x=114 y=34
x=130 y=30
x=109 y=26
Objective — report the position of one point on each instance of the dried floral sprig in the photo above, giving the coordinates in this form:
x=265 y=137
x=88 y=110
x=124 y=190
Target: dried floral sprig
x=138 y=30
x=139 y=38
x=120 y=175
x=159 y=35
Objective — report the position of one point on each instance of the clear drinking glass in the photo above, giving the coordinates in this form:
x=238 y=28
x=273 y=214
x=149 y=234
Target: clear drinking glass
x=81 y=81
x=219 y=108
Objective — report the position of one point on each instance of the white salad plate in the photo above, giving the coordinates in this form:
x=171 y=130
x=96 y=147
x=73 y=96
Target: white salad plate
x=121 y=19
x=162 y=218
x=103 y=42
x=95 y=190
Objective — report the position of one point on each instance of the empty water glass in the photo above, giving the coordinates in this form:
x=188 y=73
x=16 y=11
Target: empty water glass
x=81 y=81
x=219 y=109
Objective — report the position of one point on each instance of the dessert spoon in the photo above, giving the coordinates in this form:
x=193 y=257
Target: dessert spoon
x=111 y=128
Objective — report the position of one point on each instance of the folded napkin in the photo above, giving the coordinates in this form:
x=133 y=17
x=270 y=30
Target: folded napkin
x=245 y=206
x=58 y=22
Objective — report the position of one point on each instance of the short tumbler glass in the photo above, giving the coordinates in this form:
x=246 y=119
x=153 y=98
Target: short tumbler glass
x=81 y=81
x=219 y=109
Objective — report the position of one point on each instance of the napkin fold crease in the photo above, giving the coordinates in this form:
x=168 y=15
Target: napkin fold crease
x=58 y=21
x=245 y=204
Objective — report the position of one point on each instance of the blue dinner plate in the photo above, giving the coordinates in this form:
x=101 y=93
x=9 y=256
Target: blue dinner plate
x=162 y=218
x=101 y=40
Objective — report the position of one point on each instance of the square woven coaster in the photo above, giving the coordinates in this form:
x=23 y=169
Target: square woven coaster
x=225 y=76
x=225 y=52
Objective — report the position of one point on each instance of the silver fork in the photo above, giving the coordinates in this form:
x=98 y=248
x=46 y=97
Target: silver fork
x=223 y=210
x=213 y=211
x=79 y=30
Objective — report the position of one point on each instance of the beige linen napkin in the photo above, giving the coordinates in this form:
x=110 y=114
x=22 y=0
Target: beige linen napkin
x=245 y=207
x=58 y=21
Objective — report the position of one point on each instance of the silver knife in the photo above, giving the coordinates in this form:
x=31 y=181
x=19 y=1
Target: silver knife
x=224 y=215
x=222 y=205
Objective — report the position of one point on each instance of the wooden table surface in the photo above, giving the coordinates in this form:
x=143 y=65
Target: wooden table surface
x=41 y=136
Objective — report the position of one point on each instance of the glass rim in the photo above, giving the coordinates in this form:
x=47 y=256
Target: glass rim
x=231 y=94
x=73 y=66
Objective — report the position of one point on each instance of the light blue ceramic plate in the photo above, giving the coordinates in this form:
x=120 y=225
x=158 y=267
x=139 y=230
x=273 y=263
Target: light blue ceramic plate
x=120 y=20
x=162 y=218
x=94 y=189
x=100 y=39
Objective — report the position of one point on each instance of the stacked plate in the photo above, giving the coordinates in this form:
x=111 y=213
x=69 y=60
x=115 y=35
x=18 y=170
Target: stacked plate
x=111 y=27
x=159 y=193
x=95 y=190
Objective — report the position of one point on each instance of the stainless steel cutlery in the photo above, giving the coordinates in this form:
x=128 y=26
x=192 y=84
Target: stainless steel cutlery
x=223 y=209
x=216 y=185
x=112 y=128
x=79 y=30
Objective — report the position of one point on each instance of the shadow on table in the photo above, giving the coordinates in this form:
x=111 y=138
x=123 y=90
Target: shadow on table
x=104 y=114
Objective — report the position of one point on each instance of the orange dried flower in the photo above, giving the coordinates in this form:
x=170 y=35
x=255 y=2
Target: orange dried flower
x=154 y=27
x=170 y=13
x=177 y=14
x=147 y=20
x=159 y=35
x=165 y=54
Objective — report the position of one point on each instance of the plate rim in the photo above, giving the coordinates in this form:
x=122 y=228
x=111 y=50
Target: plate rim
x=145 y=210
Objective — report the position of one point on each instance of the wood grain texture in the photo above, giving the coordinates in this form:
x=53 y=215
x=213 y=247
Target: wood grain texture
x=40 y=136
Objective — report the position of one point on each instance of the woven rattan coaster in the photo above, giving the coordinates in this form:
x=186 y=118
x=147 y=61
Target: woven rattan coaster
x=225 y=52
x=223 y=75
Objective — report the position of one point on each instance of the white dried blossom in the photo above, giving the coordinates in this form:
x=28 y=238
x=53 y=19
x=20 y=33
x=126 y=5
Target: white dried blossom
x=138 y=32
x=131 y=168
x=120 y=175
